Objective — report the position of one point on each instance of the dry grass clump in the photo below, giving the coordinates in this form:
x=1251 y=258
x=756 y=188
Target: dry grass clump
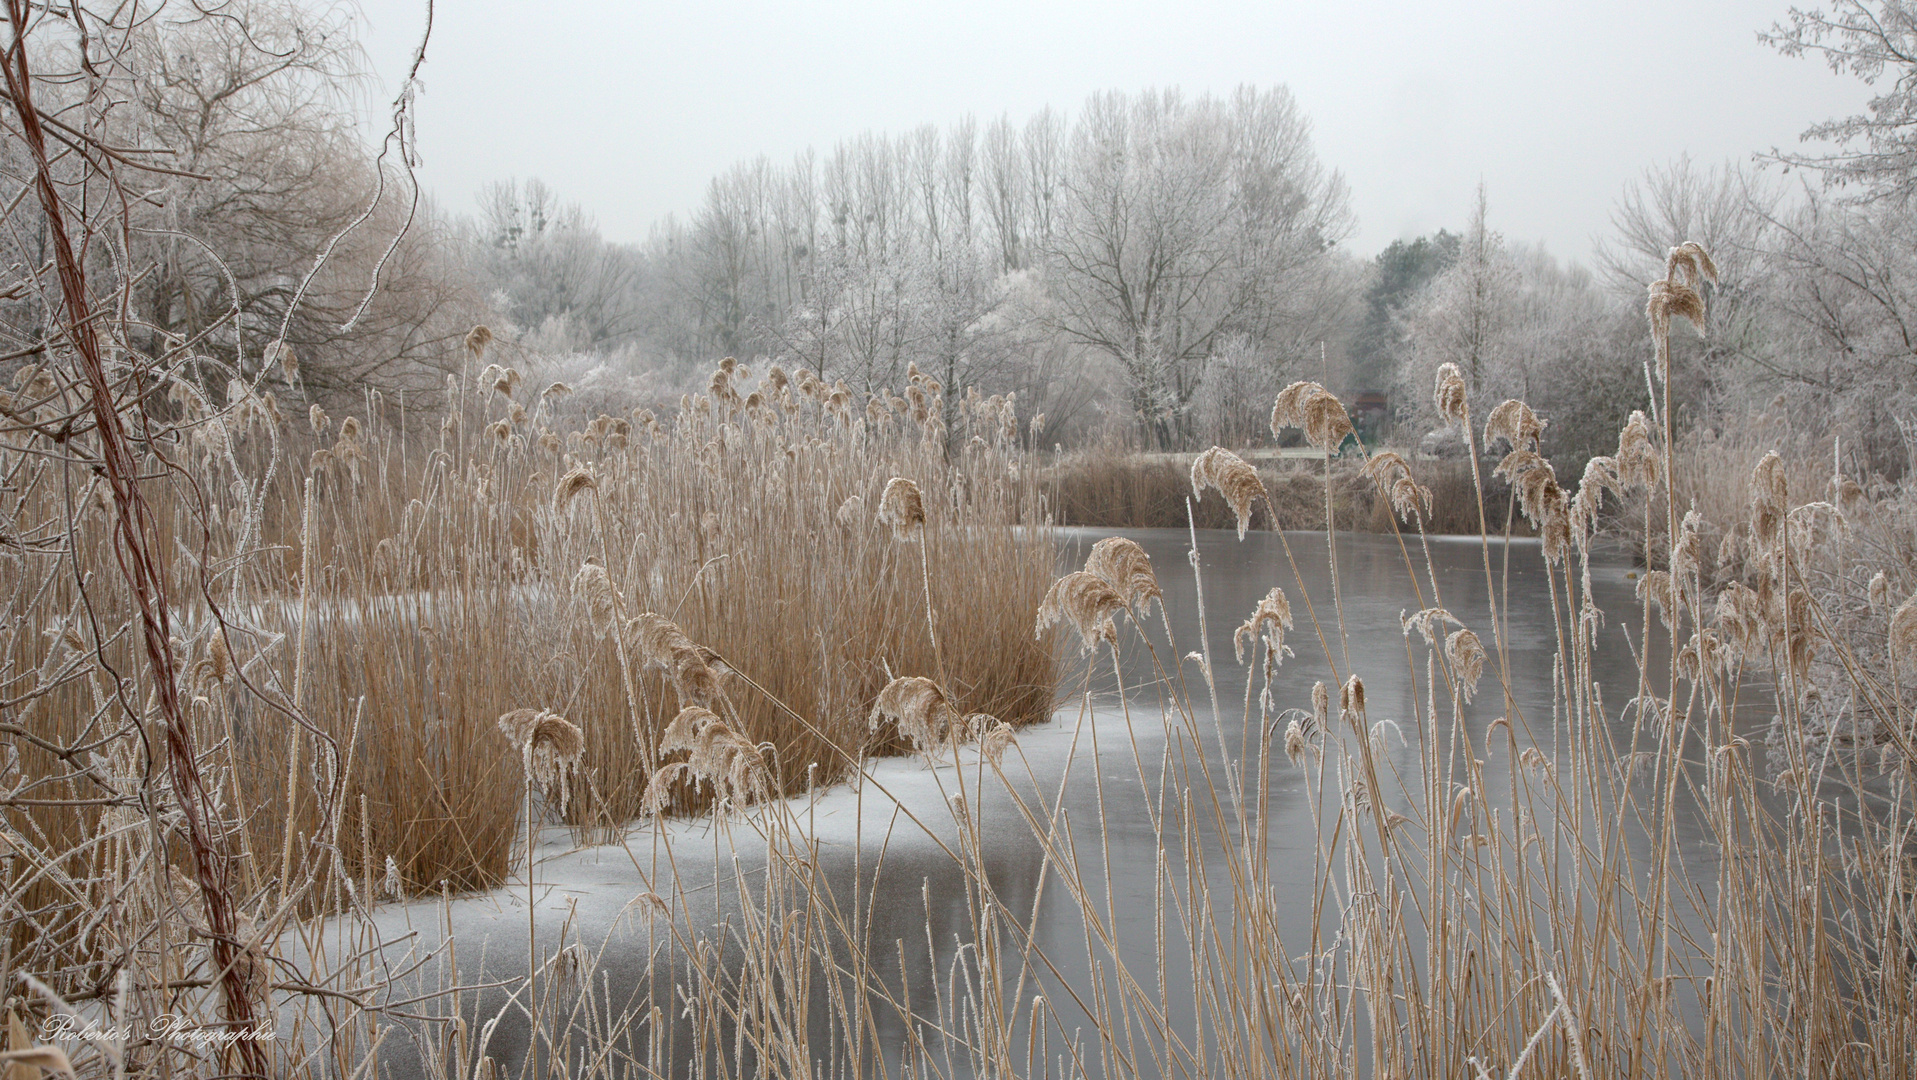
x=386 y=595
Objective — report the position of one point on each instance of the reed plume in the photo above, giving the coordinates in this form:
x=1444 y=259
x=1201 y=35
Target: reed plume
x=1669 y=298
x=1692 y=263
x=1409 y=499
x=692 y=669
x=995 y=738
x=1541 y=499
x=921 y=712
x=477 y=339
x=1087 y=603
x=902 y=507
x=1741 y=619
x=1600 y=475
x=1639 y=462
x=549 y=745
x=1237 y=481
x=1309 y=406
x=1123 y=565
x=1449 y=393
x=1429 y=623
x=593 y=586
x=1799 y=637
x=1466 y=654
x=1902 y=639
x=1514 y=421
x=1769 y=505
x=1656 y=586
x=1351 y=699
x=731 y=764
x=1269 y=620
x=576 y=482
x=1297 y=742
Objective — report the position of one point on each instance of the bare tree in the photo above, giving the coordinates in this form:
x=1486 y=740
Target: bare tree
x=548 y=267
x=1184 y=224
x=1463 y=317
x=264 y=170
x=1873 y=40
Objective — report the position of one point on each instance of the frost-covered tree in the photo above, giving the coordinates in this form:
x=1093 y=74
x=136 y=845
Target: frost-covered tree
x=551 y=272
x=1841 y=314
x=1398 y=276
x=1875 y=40
x=1464 y=317
x=1731 y=210
x=1185 y=224
x=245 y=112
x=1520 y=324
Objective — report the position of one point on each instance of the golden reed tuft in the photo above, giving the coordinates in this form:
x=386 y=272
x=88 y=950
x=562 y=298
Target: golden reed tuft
x=1770 y=497
x=1409 y=499
x=1449 y=393
x=1514 y=421
x=576 y=482
x=549 y=744
x=1269 y=620
x=920 y=711
x=732 y=764
x=1237 y=481
x=1085 y=601
x=692 y=669
x=1316 y=410
x=902 y=507
x=1690 y=260
x=1466 y=654
x=1541 y=500
x=1902 y=639
x=1123 y=565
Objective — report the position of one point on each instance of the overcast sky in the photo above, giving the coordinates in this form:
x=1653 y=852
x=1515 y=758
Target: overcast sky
x=630 y=108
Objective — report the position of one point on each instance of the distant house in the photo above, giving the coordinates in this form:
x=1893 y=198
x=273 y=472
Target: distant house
x=1370 y=414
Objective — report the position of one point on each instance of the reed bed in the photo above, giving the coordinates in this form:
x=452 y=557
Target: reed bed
x=356 y=604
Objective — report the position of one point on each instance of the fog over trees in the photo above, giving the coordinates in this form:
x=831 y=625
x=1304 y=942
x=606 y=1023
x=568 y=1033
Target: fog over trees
x=1143 y=270
x=1148 y=269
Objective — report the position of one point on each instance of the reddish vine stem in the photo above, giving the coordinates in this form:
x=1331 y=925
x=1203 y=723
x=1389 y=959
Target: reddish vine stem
x=134 y=531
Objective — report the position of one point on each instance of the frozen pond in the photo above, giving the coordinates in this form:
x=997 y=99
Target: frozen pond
x=885 y=851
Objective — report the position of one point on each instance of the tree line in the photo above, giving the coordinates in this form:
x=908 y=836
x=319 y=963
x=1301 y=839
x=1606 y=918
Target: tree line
x=1142 y=272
